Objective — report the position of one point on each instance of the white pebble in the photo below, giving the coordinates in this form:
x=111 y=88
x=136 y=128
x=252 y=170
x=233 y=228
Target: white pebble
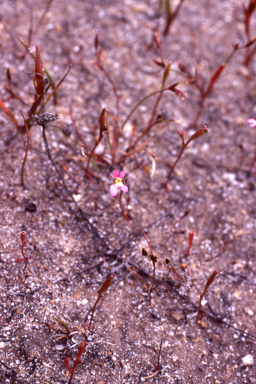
x=175 y=358
x=59 y=347
x=247 y=360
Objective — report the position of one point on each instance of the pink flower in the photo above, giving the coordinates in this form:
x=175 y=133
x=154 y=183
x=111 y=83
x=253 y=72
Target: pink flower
x=118 y=183
x=251 y=122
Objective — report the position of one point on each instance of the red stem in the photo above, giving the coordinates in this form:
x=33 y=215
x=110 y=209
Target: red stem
x=26 y=152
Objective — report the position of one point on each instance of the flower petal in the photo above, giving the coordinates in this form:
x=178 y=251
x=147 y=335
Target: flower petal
x=123 y=187
x=113 y=189
x=251 y=122
x=122 y=174
x=115 y=174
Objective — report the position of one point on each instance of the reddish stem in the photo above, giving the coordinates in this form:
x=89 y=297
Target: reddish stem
x=26 y=152
x=190 y=243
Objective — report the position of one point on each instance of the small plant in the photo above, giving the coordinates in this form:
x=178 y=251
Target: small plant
x=149 y=288
x=103 y=129
x=23 y=258
x=103 y=289
x=64 y=324
x=207 y=285
x=173 y=269
x=190 y=243
x=78 y=361
x=195 y=136
x=158 y=354
x=153 y=258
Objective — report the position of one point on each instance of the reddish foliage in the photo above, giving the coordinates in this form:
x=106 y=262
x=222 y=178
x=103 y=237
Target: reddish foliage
x=190 y=243
x=38 y=76
x=207 y=285
x=78 y=360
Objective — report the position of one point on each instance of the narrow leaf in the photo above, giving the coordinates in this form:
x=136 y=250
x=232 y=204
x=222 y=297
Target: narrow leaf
x=207 y=285
x=214 y=78
x=198 y=134
x=38 y=76
x=106 y=285
x=166 y=73
x=9 y=114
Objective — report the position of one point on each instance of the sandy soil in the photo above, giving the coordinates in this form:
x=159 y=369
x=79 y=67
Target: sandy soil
x=74 y=247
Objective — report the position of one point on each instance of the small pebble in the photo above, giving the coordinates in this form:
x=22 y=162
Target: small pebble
x=177 y=315
x=175 y=358
x=248 y=311
x=247 y=360
x=59 y=347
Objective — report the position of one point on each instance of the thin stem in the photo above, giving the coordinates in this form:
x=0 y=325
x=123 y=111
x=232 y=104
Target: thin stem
x=138 y=104
x=176 y=161
x=26 y=152
x=153 y=277
x=58 y=85
x=140 y=147
x=76 y=129
x=155 y=109
x=41 y=20
x=110 y=148
x=90 y=156
x=93 y=311
x=116 y=129
x=101 y=67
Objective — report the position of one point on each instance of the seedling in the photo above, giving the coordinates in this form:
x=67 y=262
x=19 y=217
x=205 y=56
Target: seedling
x=103 y=289
x=153 y=259
x=63 y=324
x=41 y=84
x=173 y=269
x=148 y=288
x=190 y=243
x=207 y=285
x=24 y=258
x=78 y=361
x=195 y=136
x=158 y=353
